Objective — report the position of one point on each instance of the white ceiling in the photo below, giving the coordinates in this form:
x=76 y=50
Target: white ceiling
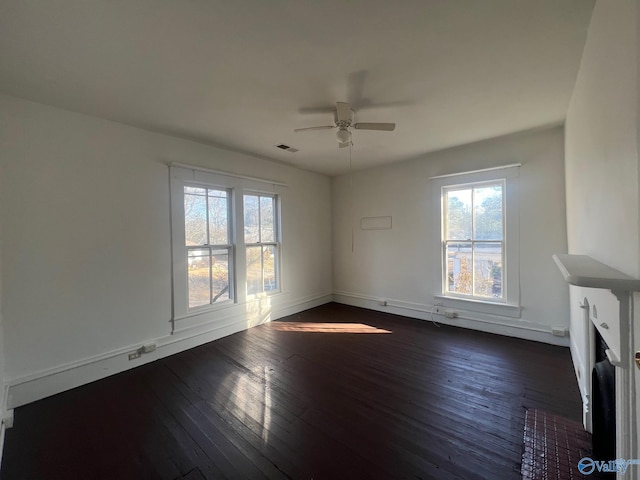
x=244 y=73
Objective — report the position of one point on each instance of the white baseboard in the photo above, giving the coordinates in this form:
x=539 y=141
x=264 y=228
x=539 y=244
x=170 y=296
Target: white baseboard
x=38 y=385
x=506 y=326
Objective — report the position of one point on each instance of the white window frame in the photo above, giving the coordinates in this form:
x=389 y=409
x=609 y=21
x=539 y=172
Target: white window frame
x=180 y=264
x=229 y=247
x=472 y=241
x=509 y=305
x=261 y=244
x=181 y=175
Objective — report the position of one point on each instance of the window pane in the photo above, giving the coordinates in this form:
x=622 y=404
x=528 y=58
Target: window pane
x=267 y=232
x=218 y=217
x=459 y=277
x=254 y=270
x=199 y=277
x=220 y=276
x=195 y=216
x=488 y=213
x=251 y=219
x=458 y=221
x=270 y=262
x=488 y=270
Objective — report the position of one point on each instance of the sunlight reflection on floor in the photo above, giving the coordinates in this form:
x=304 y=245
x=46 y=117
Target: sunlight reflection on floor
x=247 y=396
x=313 y=327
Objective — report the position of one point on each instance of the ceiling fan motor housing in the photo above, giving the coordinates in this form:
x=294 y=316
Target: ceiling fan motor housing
x=345 y=122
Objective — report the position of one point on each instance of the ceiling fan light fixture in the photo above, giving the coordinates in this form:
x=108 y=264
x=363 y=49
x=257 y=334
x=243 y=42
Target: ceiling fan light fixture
x=343 y=135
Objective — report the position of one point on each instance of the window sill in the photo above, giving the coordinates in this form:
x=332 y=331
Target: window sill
x=256 y=296
x=502 y=309
x=203 y=310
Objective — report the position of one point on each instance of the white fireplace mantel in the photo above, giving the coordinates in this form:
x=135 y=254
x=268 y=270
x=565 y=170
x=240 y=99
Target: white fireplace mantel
x=584 y=271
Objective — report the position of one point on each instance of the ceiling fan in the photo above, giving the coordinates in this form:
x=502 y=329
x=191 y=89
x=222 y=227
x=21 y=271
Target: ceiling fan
x=344 y=115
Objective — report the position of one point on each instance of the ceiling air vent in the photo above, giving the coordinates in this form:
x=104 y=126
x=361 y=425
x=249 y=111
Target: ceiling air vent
x=287 y=148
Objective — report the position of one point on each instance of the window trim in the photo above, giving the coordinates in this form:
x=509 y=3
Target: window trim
x=179 y=175
x=276 y=243
x=510 y=306
x=180 y=261
x=230 y=246
x=445 y=242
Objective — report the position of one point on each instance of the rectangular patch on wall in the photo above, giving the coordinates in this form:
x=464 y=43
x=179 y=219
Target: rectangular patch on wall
x=375 y=223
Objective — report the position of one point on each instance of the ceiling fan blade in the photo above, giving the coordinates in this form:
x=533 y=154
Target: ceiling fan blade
x=324 y=127
x=343 y=111
x=389 y=127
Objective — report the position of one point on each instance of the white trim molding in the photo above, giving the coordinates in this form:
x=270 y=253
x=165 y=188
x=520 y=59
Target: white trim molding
x=196 y=168
x=490 y=169
x=38 y=385
x=508 y=176
x=489 y=323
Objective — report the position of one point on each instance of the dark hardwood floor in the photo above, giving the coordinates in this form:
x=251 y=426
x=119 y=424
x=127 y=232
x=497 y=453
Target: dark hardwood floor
x=324 y=394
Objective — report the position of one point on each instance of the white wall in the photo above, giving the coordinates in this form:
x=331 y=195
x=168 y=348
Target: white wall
x=602 y=164
x=396 y=264
x=2 y=383
x=601 y=142
x=602 y=154
x=86 y=250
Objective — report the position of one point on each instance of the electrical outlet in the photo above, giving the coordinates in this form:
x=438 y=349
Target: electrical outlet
x=134 y=355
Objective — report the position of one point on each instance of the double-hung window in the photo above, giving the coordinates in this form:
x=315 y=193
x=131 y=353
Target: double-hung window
x=261 y=234
x=473 y=240
x=225 y=243
x=207 y=228
x=477 y=244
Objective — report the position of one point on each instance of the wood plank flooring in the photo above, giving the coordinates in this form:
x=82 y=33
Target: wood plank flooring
x=335 y=392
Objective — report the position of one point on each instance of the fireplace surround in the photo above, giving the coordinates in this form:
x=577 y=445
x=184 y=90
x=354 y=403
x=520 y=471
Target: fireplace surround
x=606 y=329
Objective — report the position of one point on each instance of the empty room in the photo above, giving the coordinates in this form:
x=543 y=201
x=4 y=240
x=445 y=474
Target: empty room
x=319 y=240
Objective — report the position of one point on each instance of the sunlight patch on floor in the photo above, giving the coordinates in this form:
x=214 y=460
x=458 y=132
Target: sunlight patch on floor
x=314 y=327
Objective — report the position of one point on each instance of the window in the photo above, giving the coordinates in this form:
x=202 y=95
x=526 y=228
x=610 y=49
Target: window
x=261 y=241
x=477 y=245
x=473 y=240
x=225 y=243
x=208 y=245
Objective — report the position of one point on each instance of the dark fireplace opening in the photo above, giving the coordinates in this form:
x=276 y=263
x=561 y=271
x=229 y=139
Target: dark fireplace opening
x=603 y=405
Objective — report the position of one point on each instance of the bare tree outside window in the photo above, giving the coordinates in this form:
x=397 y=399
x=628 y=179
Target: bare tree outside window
x=207 y=241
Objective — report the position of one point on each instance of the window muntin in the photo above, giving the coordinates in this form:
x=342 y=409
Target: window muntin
x=262 y=243
x=473 y=246
x=209 y=250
